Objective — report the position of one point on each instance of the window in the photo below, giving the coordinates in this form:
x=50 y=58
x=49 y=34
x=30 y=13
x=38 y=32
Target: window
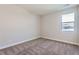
x=68 y=22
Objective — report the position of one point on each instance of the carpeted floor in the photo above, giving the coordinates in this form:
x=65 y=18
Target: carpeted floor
x=41 y=47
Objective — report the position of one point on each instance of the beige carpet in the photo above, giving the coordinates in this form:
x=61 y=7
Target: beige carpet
x=41 y=47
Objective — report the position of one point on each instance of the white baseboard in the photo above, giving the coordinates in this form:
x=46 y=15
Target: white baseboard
x=6 y=46
x=73 y=43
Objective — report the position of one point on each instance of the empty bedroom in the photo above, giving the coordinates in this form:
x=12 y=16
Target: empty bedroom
x=39 y=29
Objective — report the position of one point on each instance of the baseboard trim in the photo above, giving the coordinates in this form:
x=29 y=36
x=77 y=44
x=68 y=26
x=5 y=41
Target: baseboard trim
x=66 y=42
x=6 y=46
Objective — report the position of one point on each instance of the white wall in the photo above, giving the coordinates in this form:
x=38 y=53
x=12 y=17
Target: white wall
x=17 y=25
x=78 y=23
x=51 y=28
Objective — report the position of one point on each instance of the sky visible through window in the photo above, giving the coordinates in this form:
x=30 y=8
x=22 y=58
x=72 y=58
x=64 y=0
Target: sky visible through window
x=68 y=22
x=68 y=17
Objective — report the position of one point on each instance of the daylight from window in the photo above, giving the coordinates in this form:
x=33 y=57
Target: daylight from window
x=68 y=22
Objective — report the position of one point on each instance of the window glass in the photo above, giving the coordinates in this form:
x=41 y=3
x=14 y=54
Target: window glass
x=68 y=22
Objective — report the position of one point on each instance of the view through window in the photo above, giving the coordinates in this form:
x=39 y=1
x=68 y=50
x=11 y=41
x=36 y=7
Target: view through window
x=68 y=22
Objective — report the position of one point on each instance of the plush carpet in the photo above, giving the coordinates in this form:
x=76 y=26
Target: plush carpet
x=41 y=46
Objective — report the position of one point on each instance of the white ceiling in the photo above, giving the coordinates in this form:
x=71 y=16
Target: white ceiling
x=42 y=9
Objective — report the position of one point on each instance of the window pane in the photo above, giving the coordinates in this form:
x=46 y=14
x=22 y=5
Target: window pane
x=68 y=17
x=68 y=22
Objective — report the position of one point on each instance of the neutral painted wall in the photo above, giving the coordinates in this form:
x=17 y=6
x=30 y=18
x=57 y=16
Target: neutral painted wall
x=78 y=23
x=51 y=28
x=17 y=25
